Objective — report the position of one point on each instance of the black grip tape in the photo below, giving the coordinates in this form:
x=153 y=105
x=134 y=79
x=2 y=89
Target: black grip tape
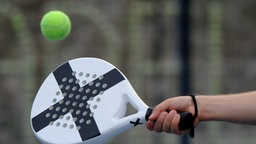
x=187 y=122
x=148 y=113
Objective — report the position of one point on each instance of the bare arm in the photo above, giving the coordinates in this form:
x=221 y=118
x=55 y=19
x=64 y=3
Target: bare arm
x=237 y=108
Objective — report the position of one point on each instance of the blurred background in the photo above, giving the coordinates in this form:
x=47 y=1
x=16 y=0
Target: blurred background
x=165 y=48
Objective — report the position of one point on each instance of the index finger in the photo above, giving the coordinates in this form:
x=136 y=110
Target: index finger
x=164 y=106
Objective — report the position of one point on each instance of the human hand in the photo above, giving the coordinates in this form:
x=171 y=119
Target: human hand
x=166 y=117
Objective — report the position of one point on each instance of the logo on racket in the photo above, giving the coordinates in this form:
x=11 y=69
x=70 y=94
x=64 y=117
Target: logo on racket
x=136 y=123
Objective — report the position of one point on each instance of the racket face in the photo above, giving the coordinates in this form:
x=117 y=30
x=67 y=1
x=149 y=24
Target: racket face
x=84 y=101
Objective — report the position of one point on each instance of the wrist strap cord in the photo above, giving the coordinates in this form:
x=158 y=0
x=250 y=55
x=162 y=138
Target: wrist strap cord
x=195 y=105
x=187 y=119
x=192 y=131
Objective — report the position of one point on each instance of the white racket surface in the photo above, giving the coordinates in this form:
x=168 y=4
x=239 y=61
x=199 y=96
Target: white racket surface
x=84 y=101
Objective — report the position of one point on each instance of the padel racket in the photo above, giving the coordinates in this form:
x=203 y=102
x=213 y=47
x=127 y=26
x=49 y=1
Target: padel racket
x=84 y=101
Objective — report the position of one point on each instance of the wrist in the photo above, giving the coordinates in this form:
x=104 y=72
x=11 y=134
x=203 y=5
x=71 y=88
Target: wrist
x=202 y=105
x=207 y=106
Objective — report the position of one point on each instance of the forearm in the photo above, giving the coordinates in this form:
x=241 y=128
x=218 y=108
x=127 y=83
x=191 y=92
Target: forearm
x=238 y=108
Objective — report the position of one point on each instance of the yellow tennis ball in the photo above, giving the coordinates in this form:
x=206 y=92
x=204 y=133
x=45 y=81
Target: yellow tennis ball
x=55 y=25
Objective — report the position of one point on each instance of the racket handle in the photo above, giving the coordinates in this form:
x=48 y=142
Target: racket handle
x=186 y=121
x=148 y=113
